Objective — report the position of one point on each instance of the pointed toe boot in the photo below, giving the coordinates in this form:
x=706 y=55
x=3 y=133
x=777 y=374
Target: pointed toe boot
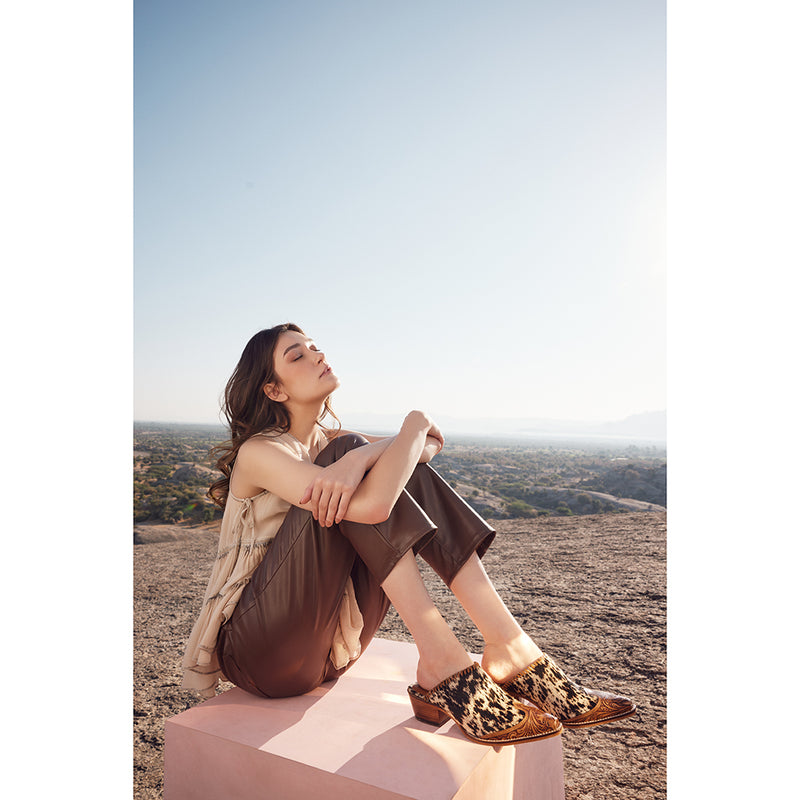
x=545 y=685
x=484 y=712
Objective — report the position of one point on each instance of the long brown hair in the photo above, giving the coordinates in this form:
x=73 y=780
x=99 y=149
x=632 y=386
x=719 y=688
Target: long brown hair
x=247 y=408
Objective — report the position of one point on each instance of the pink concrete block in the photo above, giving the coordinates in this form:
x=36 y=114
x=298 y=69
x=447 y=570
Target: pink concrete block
x=352 y=739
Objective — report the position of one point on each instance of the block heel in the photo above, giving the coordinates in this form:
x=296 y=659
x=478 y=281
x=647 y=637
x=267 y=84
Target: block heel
x=425 y=712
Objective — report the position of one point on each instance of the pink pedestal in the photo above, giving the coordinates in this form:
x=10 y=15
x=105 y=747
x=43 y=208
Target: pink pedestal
x=352 y=739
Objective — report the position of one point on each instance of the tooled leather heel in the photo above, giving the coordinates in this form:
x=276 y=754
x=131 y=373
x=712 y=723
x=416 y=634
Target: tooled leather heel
x=426 y=712
x=483 y=711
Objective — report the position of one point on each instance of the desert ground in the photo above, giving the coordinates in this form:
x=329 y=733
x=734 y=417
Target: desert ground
x=591 y=590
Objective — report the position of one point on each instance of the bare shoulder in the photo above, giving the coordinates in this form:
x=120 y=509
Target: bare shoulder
x=257 y=457
x=261 y=448
x=265 y=464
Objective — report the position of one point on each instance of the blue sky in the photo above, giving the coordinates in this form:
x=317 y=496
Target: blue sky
x=463 y=203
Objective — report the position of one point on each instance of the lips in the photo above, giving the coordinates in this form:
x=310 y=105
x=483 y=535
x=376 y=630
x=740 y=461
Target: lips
x=325 y=372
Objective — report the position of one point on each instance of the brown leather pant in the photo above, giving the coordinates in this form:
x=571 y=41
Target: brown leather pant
x=277 y=641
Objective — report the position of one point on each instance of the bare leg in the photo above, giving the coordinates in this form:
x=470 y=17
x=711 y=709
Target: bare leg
x=508 y=649
x=440 y=653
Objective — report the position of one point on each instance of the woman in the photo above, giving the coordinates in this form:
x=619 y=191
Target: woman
x=319 y=535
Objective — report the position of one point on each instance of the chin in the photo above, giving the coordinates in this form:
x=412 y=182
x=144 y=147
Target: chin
x=331 y=390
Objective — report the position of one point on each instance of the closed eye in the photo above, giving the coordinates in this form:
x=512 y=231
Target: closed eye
x=297 y=347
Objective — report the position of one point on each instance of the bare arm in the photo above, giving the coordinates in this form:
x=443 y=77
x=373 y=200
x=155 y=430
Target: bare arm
x=433 y=446
x=331 y=490
x=434 y=442
x=390 y=463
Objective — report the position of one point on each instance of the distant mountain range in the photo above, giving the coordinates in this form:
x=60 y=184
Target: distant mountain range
x=650 y=426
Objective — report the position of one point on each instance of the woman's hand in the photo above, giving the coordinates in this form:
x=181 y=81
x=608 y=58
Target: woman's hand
x=328 y=495
x=419 y=419
x=330 y=492
x=435 y=433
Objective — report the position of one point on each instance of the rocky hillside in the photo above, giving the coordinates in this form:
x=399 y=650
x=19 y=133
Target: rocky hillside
x=501 y=479
x=590 y=589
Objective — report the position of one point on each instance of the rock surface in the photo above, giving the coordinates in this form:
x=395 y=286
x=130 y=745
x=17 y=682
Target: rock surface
x=591 y=590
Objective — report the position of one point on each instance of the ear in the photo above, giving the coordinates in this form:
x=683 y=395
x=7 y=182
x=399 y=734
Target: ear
x=274 y=392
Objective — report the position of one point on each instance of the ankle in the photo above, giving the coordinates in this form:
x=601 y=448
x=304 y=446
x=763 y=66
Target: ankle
x=433 y=669
x=505 y=660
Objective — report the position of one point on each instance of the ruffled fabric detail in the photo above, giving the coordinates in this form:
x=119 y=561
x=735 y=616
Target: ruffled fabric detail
x=248 y=527
x=239 y=552
x=346 y=645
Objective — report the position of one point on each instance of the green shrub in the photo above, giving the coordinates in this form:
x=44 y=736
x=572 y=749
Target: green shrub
x=518 y=508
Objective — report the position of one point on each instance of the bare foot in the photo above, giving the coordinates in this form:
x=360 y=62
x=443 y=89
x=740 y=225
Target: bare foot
x=505 y=660
x=429 y=673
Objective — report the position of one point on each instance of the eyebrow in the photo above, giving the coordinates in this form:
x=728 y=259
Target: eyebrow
x=291 y=347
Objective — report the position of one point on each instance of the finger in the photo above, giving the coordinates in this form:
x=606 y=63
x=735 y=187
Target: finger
x=344 y=502
x=333 y=504
x=324 y=502
x=316 y=495
x=306 y=494
x=341 y=505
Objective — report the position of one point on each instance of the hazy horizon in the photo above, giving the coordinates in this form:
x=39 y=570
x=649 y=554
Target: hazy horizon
x=643 y=427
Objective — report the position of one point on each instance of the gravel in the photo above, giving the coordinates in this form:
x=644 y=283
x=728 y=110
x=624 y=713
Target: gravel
x=591 y=590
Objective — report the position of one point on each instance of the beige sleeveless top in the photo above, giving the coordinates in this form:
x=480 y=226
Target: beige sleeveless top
x=248 y=527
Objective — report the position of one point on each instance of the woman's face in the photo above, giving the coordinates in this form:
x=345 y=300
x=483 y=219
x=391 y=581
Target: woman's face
x=303 y=373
